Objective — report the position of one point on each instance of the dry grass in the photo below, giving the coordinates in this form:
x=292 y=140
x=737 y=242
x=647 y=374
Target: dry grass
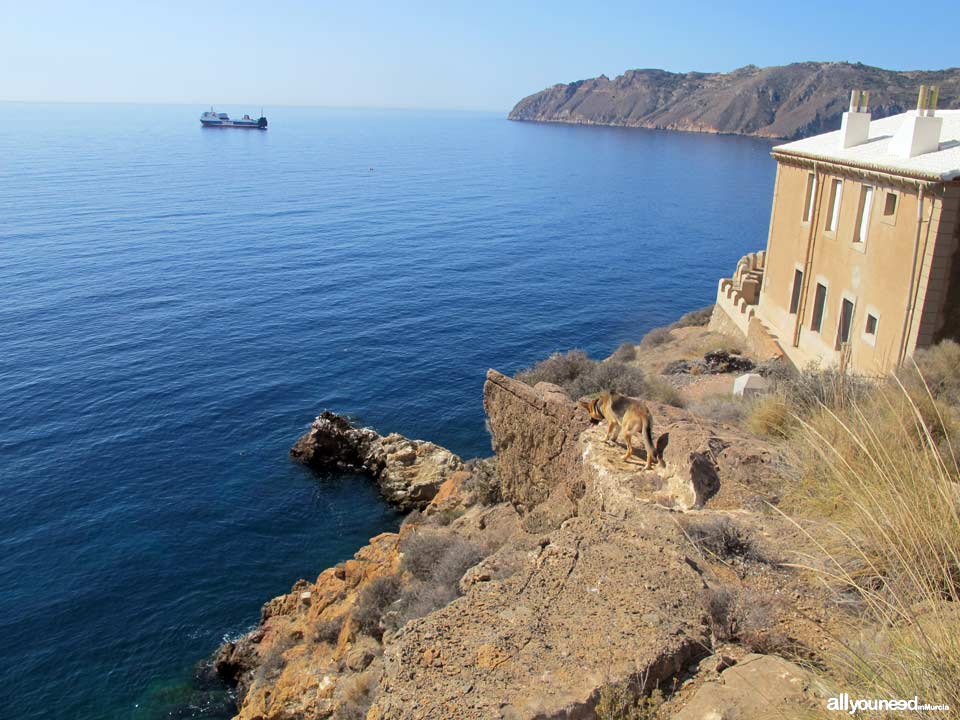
x=356 y=694
x=884 y=487
x=770 y=416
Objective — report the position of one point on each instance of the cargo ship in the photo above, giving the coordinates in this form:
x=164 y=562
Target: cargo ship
x=222 y=120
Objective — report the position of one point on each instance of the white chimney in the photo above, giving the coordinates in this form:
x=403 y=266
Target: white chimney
x=855 y=125
x=920 y=132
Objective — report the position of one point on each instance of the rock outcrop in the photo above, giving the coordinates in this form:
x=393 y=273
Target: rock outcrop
x=789 y=101
x=757 y=686
x=582 y=577
x=409 y=472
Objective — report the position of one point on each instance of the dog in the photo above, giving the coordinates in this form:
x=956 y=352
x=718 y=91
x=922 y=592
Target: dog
x=627 y=416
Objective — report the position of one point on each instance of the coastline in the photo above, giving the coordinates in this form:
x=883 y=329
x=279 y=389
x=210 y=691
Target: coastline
x=703 y=130
x=551 y=515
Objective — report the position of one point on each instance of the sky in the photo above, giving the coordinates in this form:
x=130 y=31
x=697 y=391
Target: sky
x=483 y=55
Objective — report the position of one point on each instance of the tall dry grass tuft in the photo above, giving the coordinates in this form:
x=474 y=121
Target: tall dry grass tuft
x=877 y=472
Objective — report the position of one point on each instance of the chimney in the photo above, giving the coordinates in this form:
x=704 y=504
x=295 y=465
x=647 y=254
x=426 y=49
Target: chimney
x=855 y=125
x=920 y=132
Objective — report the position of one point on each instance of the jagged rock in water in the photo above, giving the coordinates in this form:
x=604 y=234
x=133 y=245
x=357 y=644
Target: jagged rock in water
x=409 y=472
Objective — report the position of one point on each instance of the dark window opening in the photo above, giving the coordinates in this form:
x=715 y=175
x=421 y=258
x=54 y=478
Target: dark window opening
x=846 y=317
x=795 y=296
x=871 y=328
x=819 y=300
x=890 y=204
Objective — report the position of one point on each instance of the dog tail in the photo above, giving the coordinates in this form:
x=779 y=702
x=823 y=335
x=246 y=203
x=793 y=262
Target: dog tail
x=648 y=440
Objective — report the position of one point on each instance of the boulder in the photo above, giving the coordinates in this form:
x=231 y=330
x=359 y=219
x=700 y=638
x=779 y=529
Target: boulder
x=547 y=621
x=750 y=385
x=757 y=686
x=534 y=432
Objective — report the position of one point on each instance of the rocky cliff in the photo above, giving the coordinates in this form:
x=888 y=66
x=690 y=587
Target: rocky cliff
x=789 y=101
x=535 y=582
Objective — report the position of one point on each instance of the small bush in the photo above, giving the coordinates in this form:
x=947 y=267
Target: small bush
x=661 y=391
x=436 y=560
x=328 y=631
x=440 y=557
x=609 y=376
x=578 y=375
x=484 y=482
x=939 y=367
x=695 y=318
x=770 y=416
x=273 y=662
x=379 y=594
x=560 y=369
x=619 y=701
x=721 y=537
x=746 y=617
x=625 y=353
x=356 y=696
x=656 y=337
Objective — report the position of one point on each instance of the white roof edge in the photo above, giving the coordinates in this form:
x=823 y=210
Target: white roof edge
x=942 y=165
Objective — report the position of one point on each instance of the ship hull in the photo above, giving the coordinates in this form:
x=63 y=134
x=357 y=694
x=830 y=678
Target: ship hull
x=231 y=124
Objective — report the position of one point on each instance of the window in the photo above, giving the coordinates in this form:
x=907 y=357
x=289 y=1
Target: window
x=836 y=188
x=808 y=203
x=871 y=328
x=890 y=205
x=819 y=300
x=863 y=221
x=846 y=317
x=797 y=287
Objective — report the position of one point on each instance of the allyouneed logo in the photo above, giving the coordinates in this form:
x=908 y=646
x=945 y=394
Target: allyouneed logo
x=844 y=703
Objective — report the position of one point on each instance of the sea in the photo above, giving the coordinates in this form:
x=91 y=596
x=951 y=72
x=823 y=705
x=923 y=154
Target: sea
x=178 y=303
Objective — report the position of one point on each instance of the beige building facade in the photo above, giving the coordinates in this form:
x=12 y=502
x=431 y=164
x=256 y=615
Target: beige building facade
x=861 y=266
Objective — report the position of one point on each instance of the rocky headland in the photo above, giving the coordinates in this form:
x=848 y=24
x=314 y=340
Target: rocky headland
x=551 y=580
x=783 y=102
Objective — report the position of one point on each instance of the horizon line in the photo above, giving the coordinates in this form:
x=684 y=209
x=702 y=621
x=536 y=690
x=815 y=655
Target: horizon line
x=258 y=104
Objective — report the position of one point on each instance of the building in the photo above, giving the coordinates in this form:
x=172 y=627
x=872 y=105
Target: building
x=861 y=266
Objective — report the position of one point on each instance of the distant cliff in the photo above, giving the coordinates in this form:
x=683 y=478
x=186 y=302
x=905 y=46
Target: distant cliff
x=789 y=101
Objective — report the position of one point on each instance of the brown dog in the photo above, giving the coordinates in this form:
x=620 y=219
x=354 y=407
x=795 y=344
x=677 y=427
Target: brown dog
x=627 y=416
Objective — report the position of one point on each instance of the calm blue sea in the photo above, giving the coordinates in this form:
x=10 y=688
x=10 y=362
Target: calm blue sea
x=176 y=304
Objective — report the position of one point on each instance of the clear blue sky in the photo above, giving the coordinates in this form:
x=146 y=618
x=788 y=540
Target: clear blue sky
x=479 y=55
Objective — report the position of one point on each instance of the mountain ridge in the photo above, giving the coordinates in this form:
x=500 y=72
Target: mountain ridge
x=778 y=102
